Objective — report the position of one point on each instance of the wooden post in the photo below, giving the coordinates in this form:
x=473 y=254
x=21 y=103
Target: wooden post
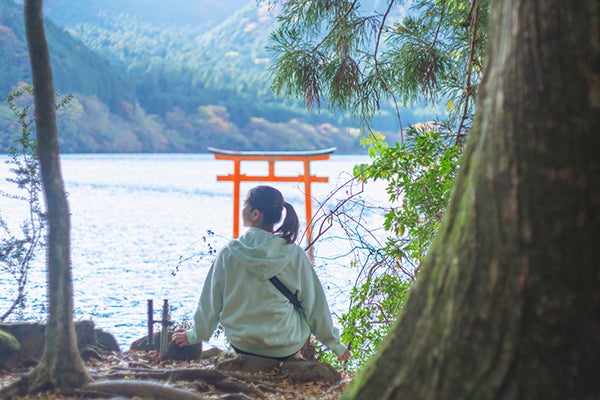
x=150 y=338
x=271 y=156
x=236 y=197
x=165 y=330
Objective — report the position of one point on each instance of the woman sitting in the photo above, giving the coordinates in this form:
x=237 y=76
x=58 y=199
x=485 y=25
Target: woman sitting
x=257 y=318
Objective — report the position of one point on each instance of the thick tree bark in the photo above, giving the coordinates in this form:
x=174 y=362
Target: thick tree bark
x=508 y=303
x=61 y=365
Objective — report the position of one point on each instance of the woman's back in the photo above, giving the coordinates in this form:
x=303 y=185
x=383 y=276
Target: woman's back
x=255 y=314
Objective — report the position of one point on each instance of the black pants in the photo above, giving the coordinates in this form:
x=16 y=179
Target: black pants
x=257 y=355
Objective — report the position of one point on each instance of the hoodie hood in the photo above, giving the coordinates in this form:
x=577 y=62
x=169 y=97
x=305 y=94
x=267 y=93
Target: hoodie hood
x=262 y=253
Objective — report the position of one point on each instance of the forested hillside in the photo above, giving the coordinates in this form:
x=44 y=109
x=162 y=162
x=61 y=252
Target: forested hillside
x=185 y=67
x=177 y=78
x=75 y=67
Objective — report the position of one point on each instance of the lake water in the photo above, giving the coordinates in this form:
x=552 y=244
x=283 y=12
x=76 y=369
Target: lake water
x=140 y=230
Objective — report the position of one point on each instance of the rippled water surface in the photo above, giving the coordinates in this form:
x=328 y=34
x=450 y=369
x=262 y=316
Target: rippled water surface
x=140 y=228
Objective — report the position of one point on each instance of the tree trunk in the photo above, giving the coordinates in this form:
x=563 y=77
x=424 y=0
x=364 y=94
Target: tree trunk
x=61 y=365
x=508 y=303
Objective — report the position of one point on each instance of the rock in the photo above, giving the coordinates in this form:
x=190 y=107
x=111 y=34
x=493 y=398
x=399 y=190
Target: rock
x=9 y=350
x=225 y=356
x=86 y=333
x=89 y=335
x=107 y=341
x=247 y=363
x=211 y=354
x=30 y=336
x=310 y=371
x=8 y=343
x=174 y=352
x=142 y=343
x=298 y=370
x=89 y=352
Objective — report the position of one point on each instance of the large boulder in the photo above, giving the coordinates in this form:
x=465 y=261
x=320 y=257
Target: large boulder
x=89 y=335
x=30 y=337
x=92 y=342
x=86 y=333
x=107 y=341
x=296 y=369
x=9 y=350
x=299 y=370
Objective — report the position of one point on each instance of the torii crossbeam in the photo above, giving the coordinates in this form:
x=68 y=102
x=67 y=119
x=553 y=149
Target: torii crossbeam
x=271 y=156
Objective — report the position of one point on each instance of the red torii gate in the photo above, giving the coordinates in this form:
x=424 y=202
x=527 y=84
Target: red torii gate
x=271 y=156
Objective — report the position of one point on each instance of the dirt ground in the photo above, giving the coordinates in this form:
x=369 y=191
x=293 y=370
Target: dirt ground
x=127 y=366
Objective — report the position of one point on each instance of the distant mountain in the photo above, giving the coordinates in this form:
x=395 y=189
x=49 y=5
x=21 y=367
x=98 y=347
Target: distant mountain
x=150 y=75
x=75 y=67
x=189 y=66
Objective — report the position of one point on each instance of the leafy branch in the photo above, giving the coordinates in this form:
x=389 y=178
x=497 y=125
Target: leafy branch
x=17 y=250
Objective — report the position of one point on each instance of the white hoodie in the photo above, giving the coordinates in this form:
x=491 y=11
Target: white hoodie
x=256 y=317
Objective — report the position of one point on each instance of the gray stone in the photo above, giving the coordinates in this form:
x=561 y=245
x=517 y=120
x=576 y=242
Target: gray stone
x=211 y=354
x=30 y=336
x=107 y=341
x=247 y=363
x=298 y=370
x=310 y=371
x=86 y=333
x=142 y=343
x=9 y=350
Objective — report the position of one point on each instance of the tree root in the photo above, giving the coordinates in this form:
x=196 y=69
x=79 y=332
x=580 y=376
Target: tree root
x=221 y=381
x=121 y=383
x=142 y=389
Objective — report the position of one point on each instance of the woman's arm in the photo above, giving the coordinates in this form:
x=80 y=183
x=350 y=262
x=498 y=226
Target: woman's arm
x=316 y=310
x=208 y=310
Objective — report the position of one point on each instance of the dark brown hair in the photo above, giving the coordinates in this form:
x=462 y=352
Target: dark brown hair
x=269 y=201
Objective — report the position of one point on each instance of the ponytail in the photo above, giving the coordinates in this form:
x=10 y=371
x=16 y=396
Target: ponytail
x=290 y=226
x=269 y=201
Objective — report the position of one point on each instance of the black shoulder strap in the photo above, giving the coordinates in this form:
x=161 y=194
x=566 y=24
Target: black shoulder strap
x=292 y=297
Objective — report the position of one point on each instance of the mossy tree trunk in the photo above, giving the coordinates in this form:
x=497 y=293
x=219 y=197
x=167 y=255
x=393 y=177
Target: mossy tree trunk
x=61 y=365
x=508 y=303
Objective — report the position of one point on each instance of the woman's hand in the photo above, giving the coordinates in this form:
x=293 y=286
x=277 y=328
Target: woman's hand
x=345 y=356
x=180 y=338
